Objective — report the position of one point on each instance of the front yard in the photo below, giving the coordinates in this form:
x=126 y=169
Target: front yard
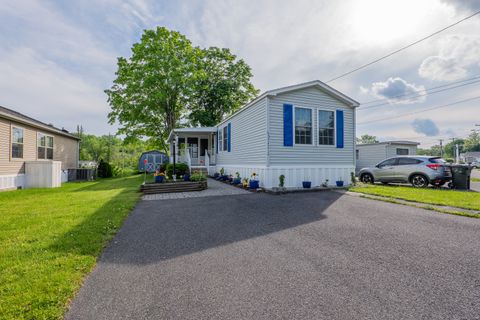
x=443 y=197
x=51 y=238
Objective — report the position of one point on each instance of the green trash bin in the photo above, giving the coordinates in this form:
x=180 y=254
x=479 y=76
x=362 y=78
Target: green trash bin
x=461 y=176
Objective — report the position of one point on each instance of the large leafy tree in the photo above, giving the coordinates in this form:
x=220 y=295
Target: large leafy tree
x=149 y=95
x=221 y=86
x=367 y=139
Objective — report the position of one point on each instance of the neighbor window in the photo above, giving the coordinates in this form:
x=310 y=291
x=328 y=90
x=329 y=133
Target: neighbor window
x=303 y=126
x=17 y=142
x=44 y=146
x=220 y=140
x=402 y=152
x=225 y=138
x=326 y=127
x=357 y=154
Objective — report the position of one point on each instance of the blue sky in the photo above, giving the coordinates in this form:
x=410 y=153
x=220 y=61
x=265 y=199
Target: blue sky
x=57 y=57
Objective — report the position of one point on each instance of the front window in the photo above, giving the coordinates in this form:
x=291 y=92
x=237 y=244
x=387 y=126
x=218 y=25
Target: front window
x=326 y=127
x=402 y=152
x=44 y=146
x=303 y=126
x=225 y=138
x=17 y=142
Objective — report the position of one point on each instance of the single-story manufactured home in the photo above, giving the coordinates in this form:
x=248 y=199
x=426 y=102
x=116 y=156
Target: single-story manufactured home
x=370 y=154
x=33 y=153
x=305 y=132
x=469 y=157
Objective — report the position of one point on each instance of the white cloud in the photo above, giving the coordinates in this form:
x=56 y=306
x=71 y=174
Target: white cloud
x=458 y=56
x=397 y=90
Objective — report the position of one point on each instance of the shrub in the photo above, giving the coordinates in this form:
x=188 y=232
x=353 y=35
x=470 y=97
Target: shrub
x=281 y=179
x=180 y=169
x=198 y=176
x=104 y=169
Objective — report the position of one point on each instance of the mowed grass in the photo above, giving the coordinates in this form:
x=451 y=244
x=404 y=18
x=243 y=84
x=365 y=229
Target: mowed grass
x=50 y=240
x=444 y=197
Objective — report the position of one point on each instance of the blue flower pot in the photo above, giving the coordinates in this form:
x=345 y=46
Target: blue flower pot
x=224 y=177
x=339 y=183
x=237 y=181
x=186 y=177
x=254 y=184
x=159 y=179
x=307 y=184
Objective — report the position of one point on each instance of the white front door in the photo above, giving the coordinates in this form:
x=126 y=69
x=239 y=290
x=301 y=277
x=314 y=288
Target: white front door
x=193 y=148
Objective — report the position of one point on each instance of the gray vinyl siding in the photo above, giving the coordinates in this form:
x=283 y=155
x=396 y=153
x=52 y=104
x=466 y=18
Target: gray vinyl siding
x=309 y=154
x=370 y=154
x=392 y=150
x=248 y=137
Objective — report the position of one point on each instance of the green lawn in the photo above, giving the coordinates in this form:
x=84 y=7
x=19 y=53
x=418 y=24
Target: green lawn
x=51 y=238
x=445 y=197
x=475 y=179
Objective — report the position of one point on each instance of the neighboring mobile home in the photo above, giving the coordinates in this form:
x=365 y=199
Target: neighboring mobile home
x=370 y=154
x=305 y=132
x=32 y=153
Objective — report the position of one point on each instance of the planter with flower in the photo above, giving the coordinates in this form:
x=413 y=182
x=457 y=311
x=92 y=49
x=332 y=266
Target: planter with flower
x=245 y=183
x=159 y=176
x=237 y=180
x=254 y=183
x=339 y=183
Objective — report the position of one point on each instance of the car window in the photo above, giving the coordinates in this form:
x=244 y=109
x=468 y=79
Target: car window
x=388 y=162
x=407 y=161
x=437 y=160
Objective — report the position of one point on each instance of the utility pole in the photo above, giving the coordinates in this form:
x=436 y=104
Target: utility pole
x=441 y=148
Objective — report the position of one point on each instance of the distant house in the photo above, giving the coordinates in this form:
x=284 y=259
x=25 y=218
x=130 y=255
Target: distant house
x=33 y=153
x=154 y=159
x=469 y=157
x=305 y=132
x=370 y=154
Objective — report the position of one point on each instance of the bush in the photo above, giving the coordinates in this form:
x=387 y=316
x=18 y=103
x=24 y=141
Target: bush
x=104 y=169
x=198 y=176
x=180 y=169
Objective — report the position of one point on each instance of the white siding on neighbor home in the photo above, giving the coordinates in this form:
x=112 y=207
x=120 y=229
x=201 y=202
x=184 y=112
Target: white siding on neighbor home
x=309 y=155
x=392 y=149
x=370 y=154
x=248 y=137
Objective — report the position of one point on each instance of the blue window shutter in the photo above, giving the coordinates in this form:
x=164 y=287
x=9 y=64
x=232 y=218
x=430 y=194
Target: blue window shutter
x=340 y=128
x=287 y=125
x=229 y=137
x=216 y=143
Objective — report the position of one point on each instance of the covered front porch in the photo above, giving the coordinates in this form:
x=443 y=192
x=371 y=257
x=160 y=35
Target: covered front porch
x=193 y=146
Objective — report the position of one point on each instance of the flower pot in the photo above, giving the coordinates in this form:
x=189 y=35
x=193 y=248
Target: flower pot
x=307 y=184
x=339 y=183
x=186 y=177
x=216 y=175
x=224 y=177
x=253 y=184
x=159 y=179
x=237 y=181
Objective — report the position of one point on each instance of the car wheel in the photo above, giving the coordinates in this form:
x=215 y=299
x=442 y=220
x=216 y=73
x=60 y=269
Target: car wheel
x=419 y=181
x=366 y=178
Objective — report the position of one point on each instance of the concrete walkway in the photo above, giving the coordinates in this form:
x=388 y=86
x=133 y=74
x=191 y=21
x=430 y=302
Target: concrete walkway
x=215 y=188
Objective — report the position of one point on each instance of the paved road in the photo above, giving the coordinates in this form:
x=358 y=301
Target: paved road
x=296 y=256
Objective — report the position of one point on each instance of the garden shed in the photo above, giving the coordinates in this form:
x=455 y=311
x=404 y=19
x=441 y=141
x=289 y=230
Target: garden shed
x=154 y=159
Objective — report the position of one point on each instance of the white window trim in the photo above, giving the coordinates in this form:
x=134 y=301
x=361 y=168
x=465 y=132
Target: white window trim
x=220 y=141
x=313 y=127
x=53 y=148
x=334 y=129
x=11 y=143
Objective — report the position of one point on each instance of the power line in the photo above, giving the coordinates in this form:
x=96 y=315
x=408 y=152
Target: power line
x=427 y=89
x=402 y=48
x=419 y=95
x=420 y=111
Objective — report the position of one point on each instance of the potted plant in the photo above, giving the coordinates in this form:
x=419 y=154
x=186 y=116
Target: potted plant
x=307 y=184
x=223 y=176
x=237 y=179
x=216 y=175
x=186 y=176
x=254 y=183
x=339 y=182
x=325 y=184
x=245 y=183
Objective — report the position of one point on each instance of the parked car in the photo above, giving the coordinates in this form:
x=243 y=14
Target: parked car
x=475 y=164
x=420 y=171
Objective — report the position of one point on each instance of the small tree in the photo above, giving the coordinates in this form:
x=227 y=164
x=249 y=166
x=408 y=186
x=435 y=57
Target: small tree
x=367 y=139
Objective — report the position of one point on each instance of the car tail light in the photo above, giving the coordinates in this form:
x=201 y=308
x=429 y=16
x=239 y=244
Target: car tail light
x=434 y=166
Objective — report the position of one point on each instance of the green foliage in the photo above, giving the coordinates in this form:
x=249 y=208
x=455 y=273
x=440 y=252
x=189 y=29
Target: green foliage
x=198 y=176
x=50 y=240
x=353 y=180
x=471 y=143
x=149 y=94
x=281 y=179
x=222 y=171
x=221 y=87
x=367 y=139
x=104 y=169
x=180 y=169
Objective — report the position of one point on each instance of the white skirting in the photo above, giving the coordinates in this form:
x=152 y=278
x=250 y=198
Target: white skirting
x=10 y=182
x=294 y=175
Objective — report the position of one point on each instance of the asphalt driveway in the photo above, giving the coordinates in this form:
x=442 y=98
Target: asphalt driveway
x=298 y=256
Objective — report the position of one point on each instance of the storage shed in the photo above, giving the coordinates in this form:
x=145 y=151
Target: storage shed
x=370 y=154
x=154 y=158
